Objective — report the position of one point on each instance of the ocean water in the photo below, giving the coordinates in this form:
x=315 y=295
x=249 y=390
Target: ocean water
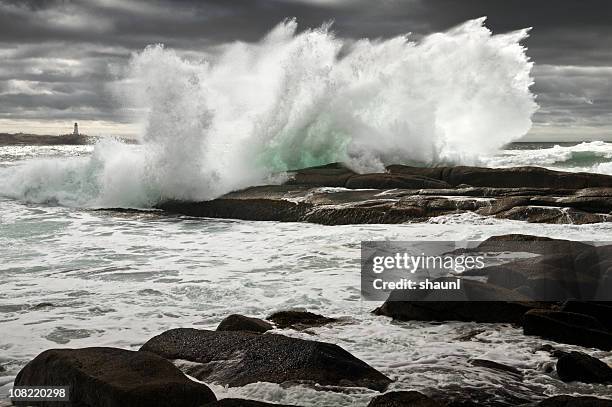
x=75 y=276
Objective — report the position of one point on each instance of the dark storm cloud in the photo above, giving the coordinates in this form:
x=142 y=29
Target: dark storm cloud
x=60 y=56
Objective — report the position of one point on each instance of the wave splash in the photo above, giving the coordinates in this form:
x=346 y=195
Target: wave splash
x=297 y=99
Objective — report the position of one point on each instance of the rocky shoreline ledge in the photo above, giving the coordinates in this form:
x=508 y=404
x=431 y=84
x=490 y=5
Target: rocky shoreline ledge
x=334 y=195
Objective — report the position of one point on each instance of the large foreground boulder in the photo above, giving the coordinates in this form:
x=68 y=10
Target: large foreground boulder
x=578 y=366
x=110 y=377
x=238 y=358
x=567 y=327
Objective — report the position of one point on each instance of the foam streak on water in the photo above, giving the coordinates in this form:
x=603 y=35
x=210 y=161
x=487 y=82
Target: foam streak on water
x=296 y=99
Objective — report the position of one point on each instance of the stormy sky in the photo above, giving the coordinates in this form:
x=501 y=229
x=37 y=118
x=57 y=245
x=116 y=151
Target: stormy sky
x=60 y=58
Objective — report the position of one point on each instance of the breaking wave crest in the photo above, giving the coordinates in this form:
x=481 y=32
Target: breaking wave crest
x=296 y=99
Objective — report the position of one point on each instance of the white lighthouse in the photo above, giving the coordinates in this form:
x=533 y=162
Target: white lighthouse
x=75 y=132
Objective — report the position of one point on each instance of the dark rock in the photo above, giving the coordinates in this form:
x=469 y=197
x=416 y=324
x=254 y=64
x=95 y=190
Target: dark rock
x=602 y=204
x=243 y=403
x=552 y=215
x=532 y=177
x=237 y=322
x=578 y=366
x=572 y=401
x=548 y=278
x=245 y=209
x=489 y=364
x=532 y=244
x=237 y=358
x=113 y=377
x=567 y=327
x=408 y=194
x=603 y=191
x=476 y=301
x=389 y=181
x=42 y=305
x=515 y=177
x=439 y=173
x=404 y=399
x=470 y=335
x=330 y=175
x=601 y=312
x=299 y=319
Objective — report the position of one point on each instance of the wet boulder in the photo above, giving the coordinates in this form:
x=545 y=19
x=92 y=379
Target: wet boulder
x=578 y=366
x=567 y=327
x=237 y=358
x=299 y=319
x=476 y=301
x=110 y=377
x=237 y=322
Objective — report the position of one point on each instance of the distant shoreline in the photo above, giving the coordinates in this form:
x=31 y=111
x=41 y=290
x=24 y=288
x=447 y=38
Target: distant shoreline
x=7 y=139
x=24 y=139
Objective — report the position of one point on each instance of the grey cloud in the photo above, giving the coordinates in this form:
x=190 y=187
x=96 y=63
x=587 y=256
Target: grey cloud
x=38 y=36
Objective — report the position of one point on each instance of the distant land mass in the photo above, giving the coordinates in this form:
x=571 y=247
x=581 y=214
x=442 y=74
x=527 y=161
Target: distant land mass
x=7 y=139
x=24 y=139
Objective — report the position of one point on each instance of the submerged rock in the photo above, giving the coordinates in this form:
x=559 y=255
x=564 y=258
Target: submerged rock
x=299 y=319
x=237 y=322
x=578 y=366
x=567 y=327
x=110 y=377
x=236 y=358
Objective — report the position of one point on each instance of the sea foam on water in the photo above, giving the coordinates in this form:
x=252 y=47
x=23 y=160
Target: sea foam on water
x=297 y=99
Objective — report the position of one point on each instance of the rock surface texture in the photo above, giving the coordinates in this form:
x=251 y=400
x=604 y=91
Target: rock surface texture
x=334 y=195
x=237 y=358
x=110 y=377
